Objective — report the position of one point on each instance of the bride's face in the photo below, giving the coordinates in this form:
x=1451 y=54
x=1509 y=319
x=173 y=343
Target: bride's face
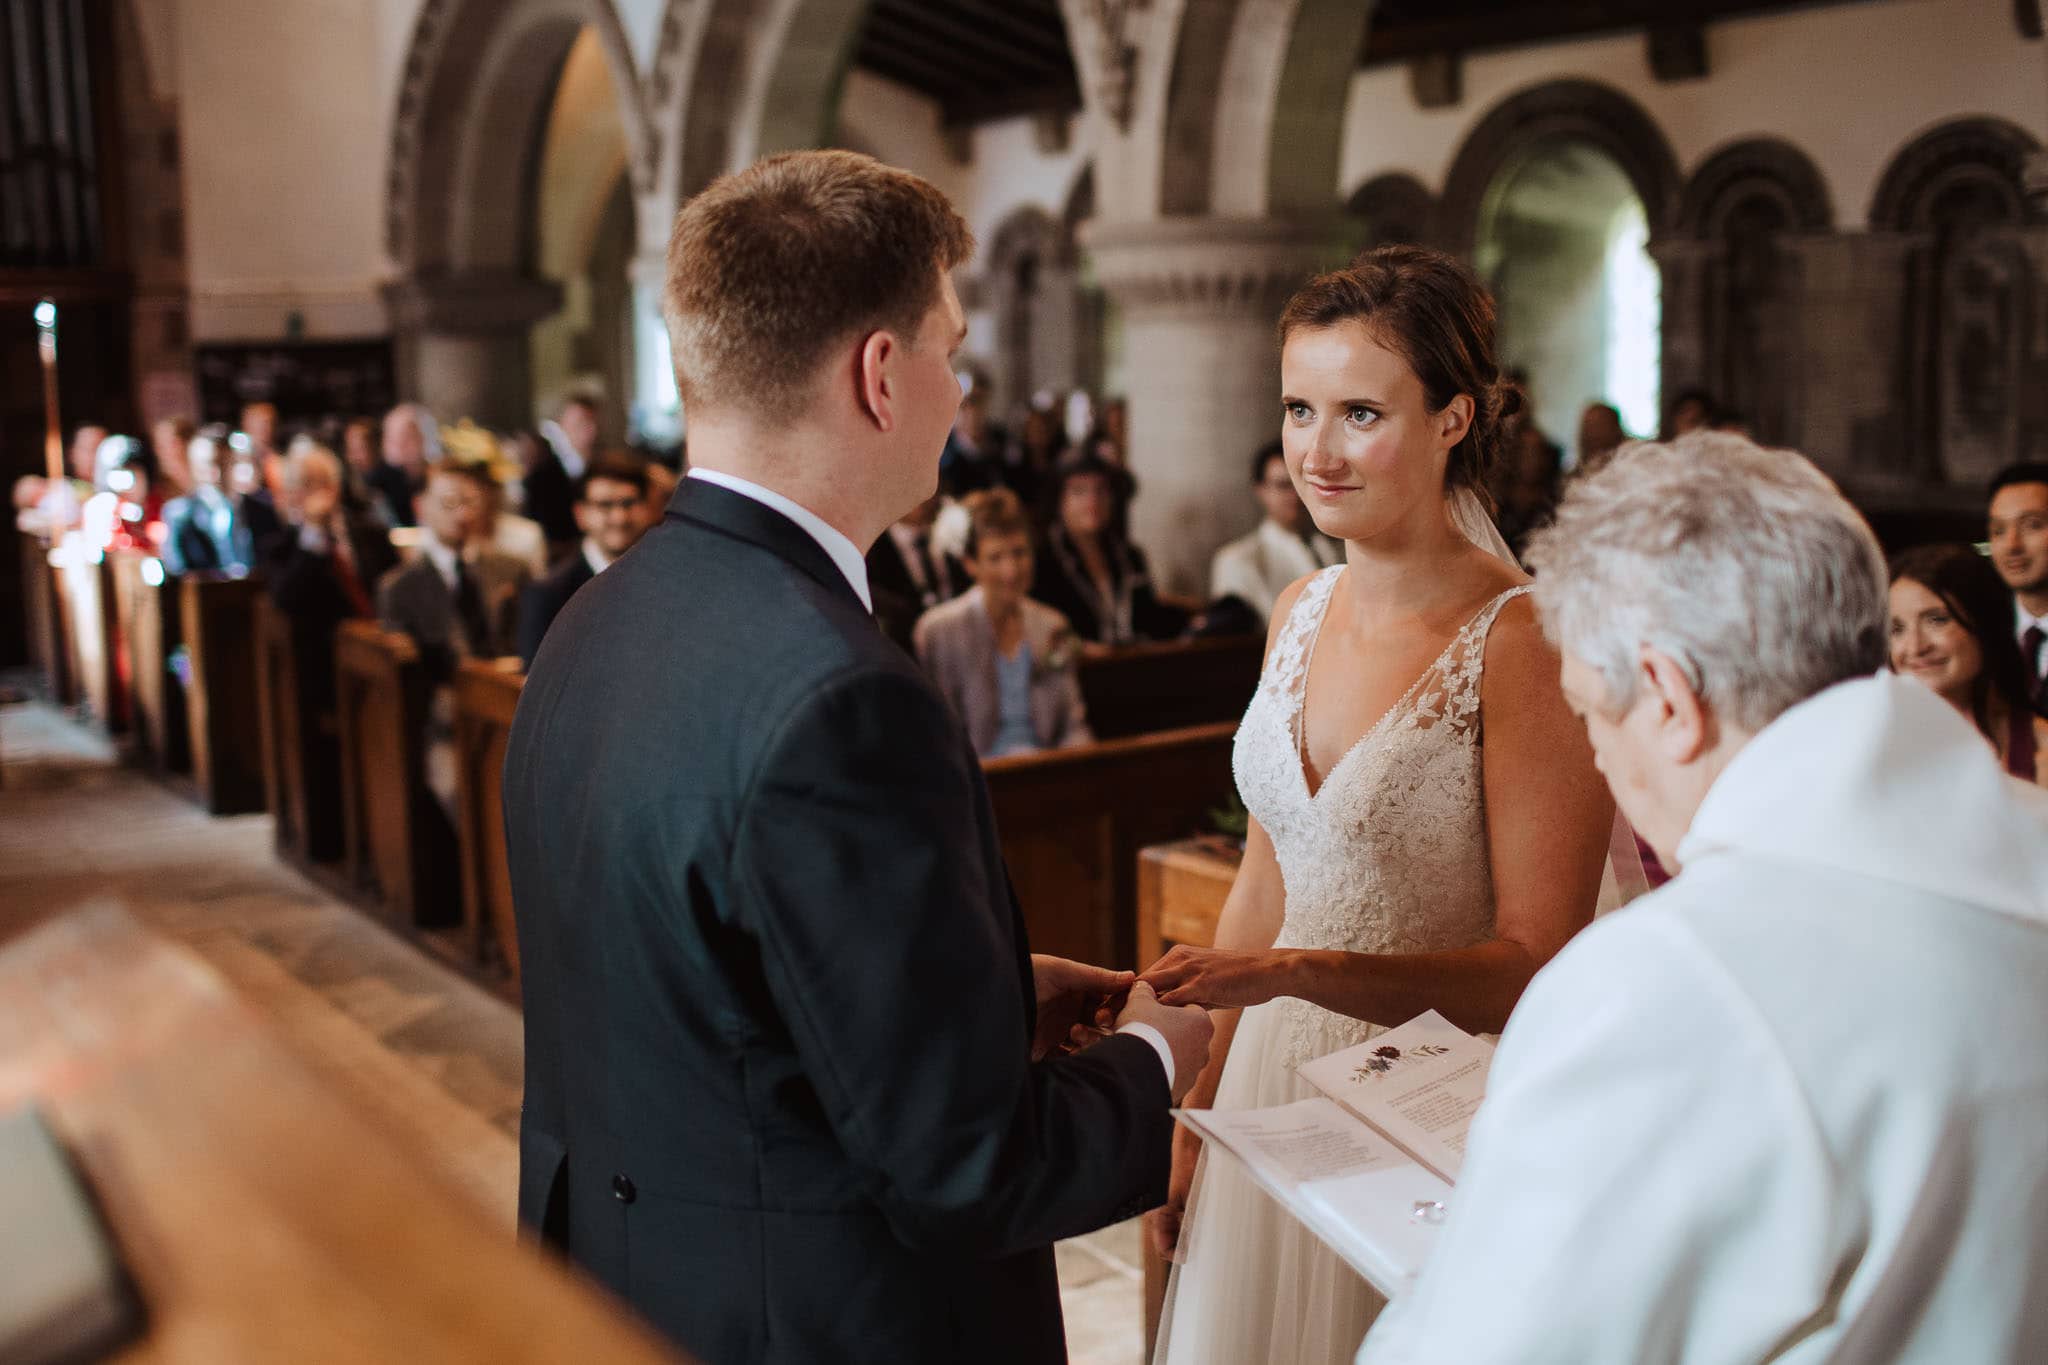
x=1364 y=450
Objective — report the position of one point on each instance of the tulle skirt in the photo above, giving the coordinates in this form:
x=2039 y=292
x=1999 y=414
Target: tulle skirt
x=1254 y=1286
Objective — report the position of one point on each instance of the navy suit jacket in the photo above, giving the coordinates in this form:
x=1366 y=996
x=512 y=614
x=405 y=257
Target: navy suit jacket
x=778 y=998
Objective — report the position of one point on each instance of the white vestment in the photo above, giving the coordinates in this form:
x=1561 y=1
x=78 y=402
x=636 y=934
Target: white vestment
x=1793 y=1106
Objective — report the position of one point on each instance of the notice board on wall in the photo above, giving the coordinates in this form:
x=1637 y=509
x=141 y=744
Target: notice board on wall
x=307 y=380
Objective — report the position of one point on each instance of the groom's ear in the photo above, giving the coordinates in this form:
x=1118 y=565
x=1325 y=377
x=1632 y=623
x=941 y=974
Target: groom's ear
x=1681 y=725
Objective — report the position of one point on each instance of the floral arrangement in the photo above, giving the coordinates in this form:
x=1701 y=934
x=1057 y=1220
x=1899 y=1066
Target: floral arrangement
x=1386 y=1057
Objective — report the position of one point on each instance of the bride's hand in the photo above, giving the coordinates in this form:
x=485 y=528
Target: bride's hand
x=1162 y=1225
x=1215 y=978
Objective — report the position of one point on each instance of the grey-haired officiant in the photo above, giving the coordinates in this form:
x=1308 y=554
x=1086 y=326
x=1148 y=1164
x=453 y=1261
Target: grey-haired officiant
x=1792 y=1106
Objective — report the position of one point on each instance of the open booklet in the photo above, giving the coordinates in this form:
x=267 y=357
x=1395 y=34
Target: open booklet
x=1367 y=1165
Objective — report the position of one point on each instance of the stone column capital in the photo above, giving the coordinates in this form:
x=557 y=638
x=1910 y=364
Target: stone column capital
x=471 y=301
x=1213 y=266
x=2035 y=178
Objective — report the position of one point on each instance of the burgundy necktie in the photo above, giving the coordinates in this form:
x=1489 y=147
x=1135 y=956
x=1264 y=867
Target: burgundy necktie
x=2030 y=645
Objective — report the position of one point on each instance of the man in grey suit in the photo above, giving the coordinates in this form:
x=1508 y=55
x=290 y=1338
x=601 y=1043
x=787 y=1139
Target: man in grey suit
x=795 y=1085
x=458 y=598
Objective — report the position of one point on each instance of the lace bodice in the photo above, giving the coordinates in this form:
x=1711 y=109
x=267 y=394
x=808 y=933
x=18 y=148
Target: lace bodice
x=1389 y=855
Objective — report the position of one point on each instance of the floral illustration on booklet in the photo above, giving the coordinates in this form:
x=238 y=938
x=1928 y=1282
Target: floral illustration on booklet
x=1387 y=1058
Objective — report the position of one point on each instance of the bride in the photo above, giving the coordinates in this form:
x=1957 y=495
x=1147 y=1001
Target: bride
x=1428 y=828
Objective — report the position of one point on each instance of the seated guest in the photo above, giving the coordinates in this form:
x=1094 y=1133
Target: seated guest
x=1948 y=632
x=973 y=457
x=1006 y=665
x=1528 y=479
x=1600 y=435
x=611 y=509
x=2019 y=551
x=505 y=531
x=558 y=468
x=1787 y=1106
x=1286 y=545
x=360 y=458
x=259 y=432
x=170 y=440
x=319 y=572
x=323 y=569
x=216 y=529
x=457 y=598
x=1691 y=410
x=1091 y=573
x=412 y=441
x=909 y=573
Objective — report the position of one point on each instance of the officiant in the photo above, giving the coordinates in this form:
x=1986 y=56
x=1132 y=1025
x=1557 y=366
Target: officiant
x=1790 y=1106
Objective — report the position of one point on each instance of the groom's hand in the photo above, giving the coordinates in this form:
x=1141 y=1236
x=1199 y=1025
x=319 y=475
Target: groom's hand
x=1186 y=1028
x=1071 y=994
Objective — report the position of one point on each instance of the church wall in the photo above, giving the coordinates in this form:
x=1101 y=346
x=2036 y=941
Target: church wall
x=285 y=161
x=1847 y=84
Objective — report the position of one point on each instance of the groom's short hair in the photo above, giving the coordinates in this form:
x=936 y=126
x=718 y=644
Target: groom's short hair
x=771 y=268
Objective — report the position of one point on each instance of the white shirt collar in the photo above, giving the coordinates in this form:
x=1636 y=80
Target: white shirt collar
x=597 y=559
x=439 y=555
x=2022 y=618
x=849 y=559
x=567 y=455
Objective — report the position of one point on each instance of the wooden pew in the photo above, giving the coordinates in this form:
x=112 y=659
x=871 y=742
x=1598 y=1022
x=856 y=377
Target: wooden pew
x=223 y=701
x=1073 y=820
x=301 y=758
x=146 y=606
x=486 y=695
x=398 y=848
x=1142 y=689
x=262 y=1216
x=92 y=634
x=43 y=605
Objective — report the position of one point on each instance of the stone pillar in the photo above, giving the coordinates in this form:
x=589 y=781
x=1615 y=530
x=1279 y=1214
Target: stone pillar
x=653 y=411
x=464 y=343
x=1200 y=298
x=1855 y=421
x=1686 y=265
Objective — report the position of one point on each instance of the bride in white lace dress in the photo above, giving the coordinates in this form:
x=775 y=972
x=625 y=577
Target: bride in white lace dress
x=1428 y=828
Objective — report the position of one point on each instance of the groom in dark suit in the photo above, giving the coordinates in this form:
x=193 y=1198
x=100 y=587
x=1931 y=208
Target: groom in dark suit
x=794 y=1082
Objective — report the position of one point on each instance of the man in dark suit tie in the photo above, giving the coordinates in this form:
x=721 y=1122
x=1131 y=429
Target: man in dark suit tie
x=550 y=486
x=458 y=597
x=2019 y=549
x=793 y=1083
x=611 y=511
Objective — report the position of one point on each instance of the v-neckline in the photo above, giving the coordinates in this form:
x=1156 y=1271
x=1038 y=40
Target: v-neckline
x=1298 y=730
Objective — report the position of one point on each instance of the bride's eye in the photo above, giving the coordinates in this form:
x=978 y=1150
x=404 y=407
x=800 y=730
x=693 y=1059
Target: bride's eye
x=1360 y=415
x=1300 y=412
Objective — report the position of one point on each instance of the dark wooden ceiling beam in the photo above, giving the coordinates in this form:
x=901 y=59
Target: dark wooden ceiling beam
x=995 y=105
x=1399 y=32
x=963 y=42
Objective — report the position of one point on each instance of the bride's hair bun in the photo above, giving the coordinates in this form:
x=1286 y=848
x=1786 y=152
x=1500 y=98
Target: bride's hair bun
x=1432 y=310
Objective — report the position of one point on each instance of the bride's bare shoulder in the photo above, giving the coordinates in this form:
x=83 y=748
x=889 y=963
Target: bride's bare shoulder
x=1283 y=607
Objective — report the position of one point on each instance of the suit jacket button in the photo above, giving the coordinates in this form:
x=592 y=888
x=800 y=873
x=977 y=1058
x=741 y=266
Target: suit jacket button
x=622 y=1189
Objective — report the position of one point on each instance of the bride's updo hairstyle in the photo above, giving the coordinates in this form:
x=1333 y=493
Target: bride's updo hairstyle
x=1430 y=310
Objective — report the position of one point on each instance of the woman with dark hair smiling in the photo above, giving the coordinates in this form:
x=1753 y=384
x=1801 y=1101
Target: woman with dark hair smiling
x=1948 y=615
x=1091 y=573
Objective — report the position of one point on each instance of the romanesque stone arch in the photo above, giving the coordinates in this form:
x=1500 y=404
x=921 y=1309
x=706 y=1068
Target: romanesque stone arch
x=1394 y=207
x=1977 y=159
x=1558 y=111
x=735 y=80
x=476 y=89
x=1741 y=289
x=1971 y=242
x=1733 y=179
x=478 y=74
